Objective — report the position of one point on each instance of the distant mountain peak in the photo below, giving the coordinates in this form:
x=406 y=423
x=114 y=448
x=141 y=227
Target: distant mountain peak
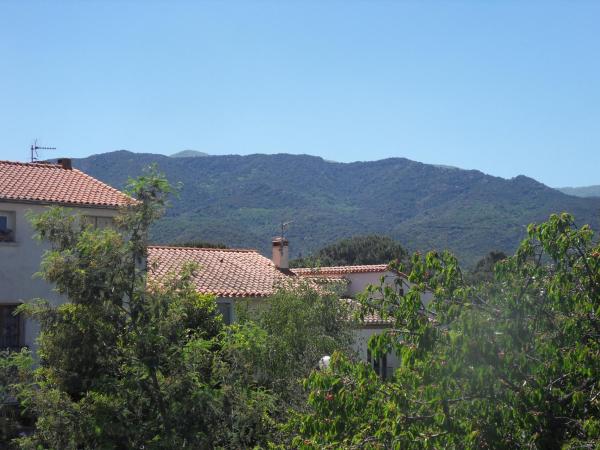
x=188 y=154
x=447 y=167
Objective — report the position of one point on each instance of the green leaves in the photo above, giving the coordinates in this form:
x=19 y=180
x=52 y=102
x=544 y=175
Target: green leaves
x=513 y=361
x=122 y=364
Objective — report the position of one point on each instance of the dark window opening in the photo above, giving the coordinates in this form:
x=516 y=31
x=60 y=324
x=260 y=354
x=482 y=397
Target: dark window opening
x=225 y=310
x=99 y=222
x=5 y=232
x=10 y=328
x=379 y=364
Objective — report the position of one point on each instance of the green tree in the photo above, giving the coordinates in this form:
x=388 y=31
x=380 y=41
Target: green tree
x=484 y=268
x=273 y=347
x=302 y=325
x=122 y=364
x=15 y=369
x=372 y=249
x=512 y=363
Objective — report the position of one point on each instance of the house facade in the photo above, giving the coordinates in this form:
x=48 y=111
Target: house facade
x=30 y=188
x=357 y=279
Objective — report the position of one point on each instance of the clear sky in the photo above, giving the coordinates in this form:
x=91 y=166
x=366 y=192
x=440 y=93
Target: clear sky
x=504 y=87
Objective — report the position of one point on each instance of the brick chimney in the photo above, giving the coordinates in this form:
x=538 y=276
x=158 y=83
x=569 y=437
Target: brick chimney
x=281 y=256
x=65 y=163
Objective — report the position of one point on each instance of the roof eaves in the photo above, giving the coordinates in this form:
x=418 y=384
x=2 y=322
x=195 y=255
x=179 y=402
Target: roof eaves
x=63 y=204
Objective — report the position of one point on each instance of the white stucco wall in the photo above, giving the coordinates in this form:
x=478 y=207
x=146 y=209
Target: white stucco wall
x=362 y=336
x=20 y=260
x=358 y=282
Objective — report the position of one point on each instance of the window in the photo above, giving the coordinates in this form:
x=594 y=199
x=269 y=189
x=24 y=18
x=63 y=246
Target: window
x=98 y=221
x=10 y=328
x=379 y=365
x=225 y=310
x=7 y=225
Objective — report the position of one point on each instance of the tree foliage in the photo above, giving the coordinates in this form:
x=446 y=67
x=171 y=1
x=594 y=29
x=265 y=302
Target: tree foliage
x=484 y=268
x=301 y=326
x=122 y=364
x=372 y=249
x=510 y=364
x=199 y=244
x=272 y=348
x=15 y=369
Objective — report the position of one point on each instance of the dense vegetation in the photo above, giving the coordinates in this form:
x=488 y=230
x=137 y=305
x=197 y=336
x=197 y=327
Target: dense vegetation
x=242 y=200
x=355 y=251
x=509 y=363
x=484 y=268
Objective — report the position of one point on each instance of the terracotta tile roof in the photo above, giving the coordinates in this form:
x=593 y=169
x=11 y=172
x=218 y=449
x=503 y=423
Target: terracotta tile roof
x=50 y=183
x=340 y=270
x=373 y=319
x=222 y=272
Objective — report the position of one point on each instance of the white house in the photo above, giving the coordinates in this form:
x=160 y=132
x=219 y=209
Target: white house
x=357 y=279
x=32 y=187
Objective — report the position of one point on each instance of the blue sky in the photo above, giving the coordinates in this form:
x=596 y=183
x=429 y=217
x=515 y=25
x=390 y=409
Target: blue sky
x=507 y=88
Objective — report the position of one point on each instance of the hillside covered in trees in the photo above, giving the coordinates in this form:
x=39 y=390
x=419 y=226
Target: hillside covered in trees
x=583 y=191
x=355 y=251
x=241 y=201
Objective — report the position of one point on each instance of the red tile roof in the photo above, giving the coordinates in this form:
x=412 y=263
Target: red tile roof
x=374 y=319
x=234 y=273
x=222 y=272
x=340 y=270
x=51 y=183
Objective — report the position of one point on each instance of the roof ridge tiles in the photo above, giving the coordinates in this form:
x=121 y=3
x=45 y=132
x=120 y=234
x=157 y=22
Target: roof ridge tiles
x=349 y=267
x=214 y=249
x=35 y=163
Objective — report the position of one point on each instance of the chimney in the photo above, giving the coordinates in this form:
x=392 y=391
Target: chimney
x=65 y=163
x=280 y=253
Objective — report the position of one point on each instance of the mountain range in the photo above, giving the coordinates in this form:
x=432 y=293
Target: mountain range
x=242 y=200
x=583 y=191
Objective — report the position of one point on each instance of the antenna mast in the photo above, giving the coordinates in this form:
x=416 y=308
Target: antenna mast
x=34 y=150
x=284 y=226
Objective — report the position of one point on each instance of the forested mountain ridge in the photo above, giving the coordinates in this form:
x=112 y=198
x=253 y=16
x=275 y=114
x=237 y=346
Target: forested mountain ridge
x=582 y=191
x=241 y=200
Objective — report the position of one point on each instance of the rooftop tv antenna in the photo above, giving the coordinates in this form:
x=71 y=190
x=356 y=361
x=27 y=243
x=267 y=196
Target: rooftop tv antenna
x=284 y=227
x=34 y=150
